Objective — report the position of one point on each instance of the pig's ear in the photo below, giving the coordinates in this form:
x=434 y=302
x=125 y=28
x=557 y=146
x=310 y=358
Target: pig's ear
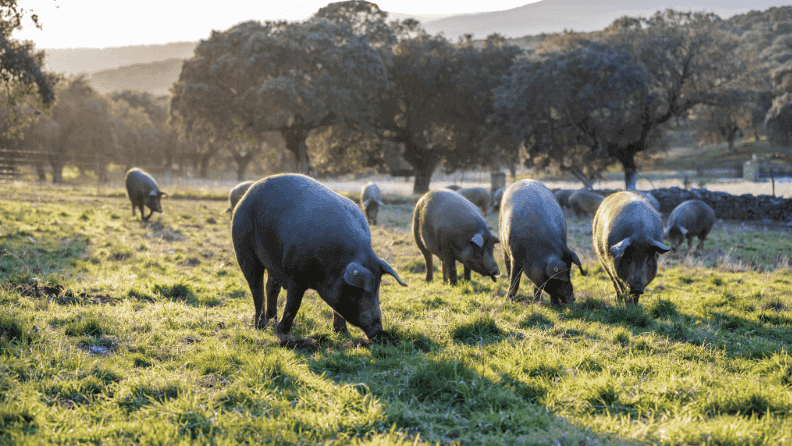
x=576 y=260
x=153 y=193
x=682 y=230
x=359 y=276
x=478 y=240
x=162 y=194
x=618 y=249
x=555 y=269
x=366 y=203
x=386 y=269
x=495 y=239
x=659 y=247
x=379 y=202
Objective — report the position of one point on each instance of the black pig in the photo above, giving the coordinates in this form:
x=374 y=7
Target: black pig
x=535 y=241
x=143 y=190
x=236 y=193
x=627 y=236
x=308 y=237
x=449 y=226
x=371 y=200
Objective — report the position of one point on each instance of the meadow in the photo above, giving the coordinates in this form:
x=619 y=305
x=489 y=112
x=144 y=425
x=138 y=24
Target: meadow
x=113 y=331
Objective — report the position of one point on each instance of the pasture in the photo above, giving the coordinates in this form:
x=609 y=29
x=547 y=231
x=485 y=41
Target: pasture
x=115 y=331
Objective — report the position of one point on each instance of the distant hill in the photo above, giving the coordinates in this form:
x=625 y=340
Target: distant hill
x=90 y=60
x=155 y=77
x=552 y=16
x=154 y=68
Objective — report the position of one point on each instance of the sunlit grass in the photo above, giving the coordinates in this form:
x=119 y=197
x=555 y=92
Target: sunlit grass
x=117 y=331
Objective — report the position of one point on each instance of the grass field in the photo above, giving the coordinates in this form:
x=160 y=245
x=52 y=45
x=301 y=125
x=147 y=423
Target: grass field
x=117 y=332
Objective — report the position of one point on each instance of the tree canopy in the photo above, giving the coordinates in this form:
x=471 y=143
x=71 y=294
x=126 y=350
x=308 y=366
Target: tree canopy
x=612 y=91
x=286 y=77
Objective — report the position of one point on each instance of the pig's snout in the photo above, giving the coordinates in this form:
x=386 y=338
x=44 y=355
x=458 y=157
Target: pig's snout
x=494 y=274
x=375 y=332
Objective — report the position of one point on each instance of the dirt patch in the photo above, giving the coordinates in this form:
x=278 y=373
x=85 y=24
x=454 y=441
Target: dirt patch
x=192 y=261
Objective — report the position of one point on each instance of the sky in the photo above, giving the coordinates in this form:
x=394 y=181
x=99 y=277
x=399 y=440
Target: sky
x=112 y=23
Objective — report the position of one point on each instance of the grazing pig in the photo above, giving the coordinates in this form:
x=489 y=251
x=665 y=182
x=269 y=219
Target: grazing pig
x=496 y=199
x=627 y=236
x=236 y=194
x=371 y=200
x=535 y=242
x=692 y=218
x=453 y=187
x=143 y=190
x=478 y=196
x=449 y=226
x=308 y=237
x=584 y=202
x=562 y=197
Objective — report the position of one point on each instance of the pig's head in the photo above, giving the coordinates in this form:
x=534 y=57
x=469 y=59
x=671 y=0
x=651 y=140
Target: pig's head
x=153 y=200
x=636 y=263
x=558 y=281
x=355 y=295
x=676 y=235
x=476 y=254
x=371 y=207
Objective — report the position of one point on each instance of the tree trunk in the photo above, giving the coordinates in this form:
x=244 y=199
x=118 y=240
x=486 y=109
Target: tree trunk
x=42 y=175
x=242 y=163
x=295 y=137
x=731 y=136
x=203 y=165
x=423 y=177
x=57 y=172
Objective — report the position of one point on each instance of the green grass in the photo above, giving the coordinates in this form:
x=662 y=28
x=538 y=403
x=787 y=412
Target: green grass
x=115 y=331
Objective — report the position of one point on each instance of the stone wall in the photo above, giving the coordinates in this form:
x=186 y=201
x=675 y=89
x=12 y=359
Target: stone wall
x=725 y=205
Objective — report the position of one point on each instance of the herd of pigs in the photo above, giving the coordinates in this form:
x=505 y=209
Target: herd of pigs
x=306 y=236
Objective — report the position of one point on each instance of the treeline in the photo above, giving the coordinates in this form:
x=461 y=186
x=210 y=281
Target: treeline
x=348 y=90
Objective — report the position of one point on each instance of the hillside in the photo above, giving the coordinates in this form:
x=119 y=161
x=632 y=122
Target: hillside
x=552 y=16
x=90 y=60
x=155 y=77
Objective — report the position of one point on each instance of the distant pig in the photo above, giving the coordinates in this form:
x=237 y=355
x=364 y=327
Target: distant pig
x=535 y=242
x=143 y=190
x=627 y=236
x=370 y=201
x=496 y=198
x=453 y=187
x=584 y=202
x=478 y=196
x=236 y=194
x=692 y=218
x=648 y=196
x=306 y=236
x=562 y=197
x=449 y=226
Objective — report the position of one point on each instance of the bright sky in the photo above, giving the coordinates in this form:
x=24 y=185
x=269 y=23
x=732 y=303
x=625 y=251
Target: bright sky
x=109 y=23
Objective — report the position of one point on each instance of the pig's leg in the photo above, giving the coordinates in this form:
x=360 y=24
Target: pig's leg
x=515 y=274
x=700 y=247
x=253 y=271
x=507 y=261
x=273 y=289
x=537 y=294
x=339 y=324
x=428 y=258
x=450 y=265
x=294 y=295
x=467 y=273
